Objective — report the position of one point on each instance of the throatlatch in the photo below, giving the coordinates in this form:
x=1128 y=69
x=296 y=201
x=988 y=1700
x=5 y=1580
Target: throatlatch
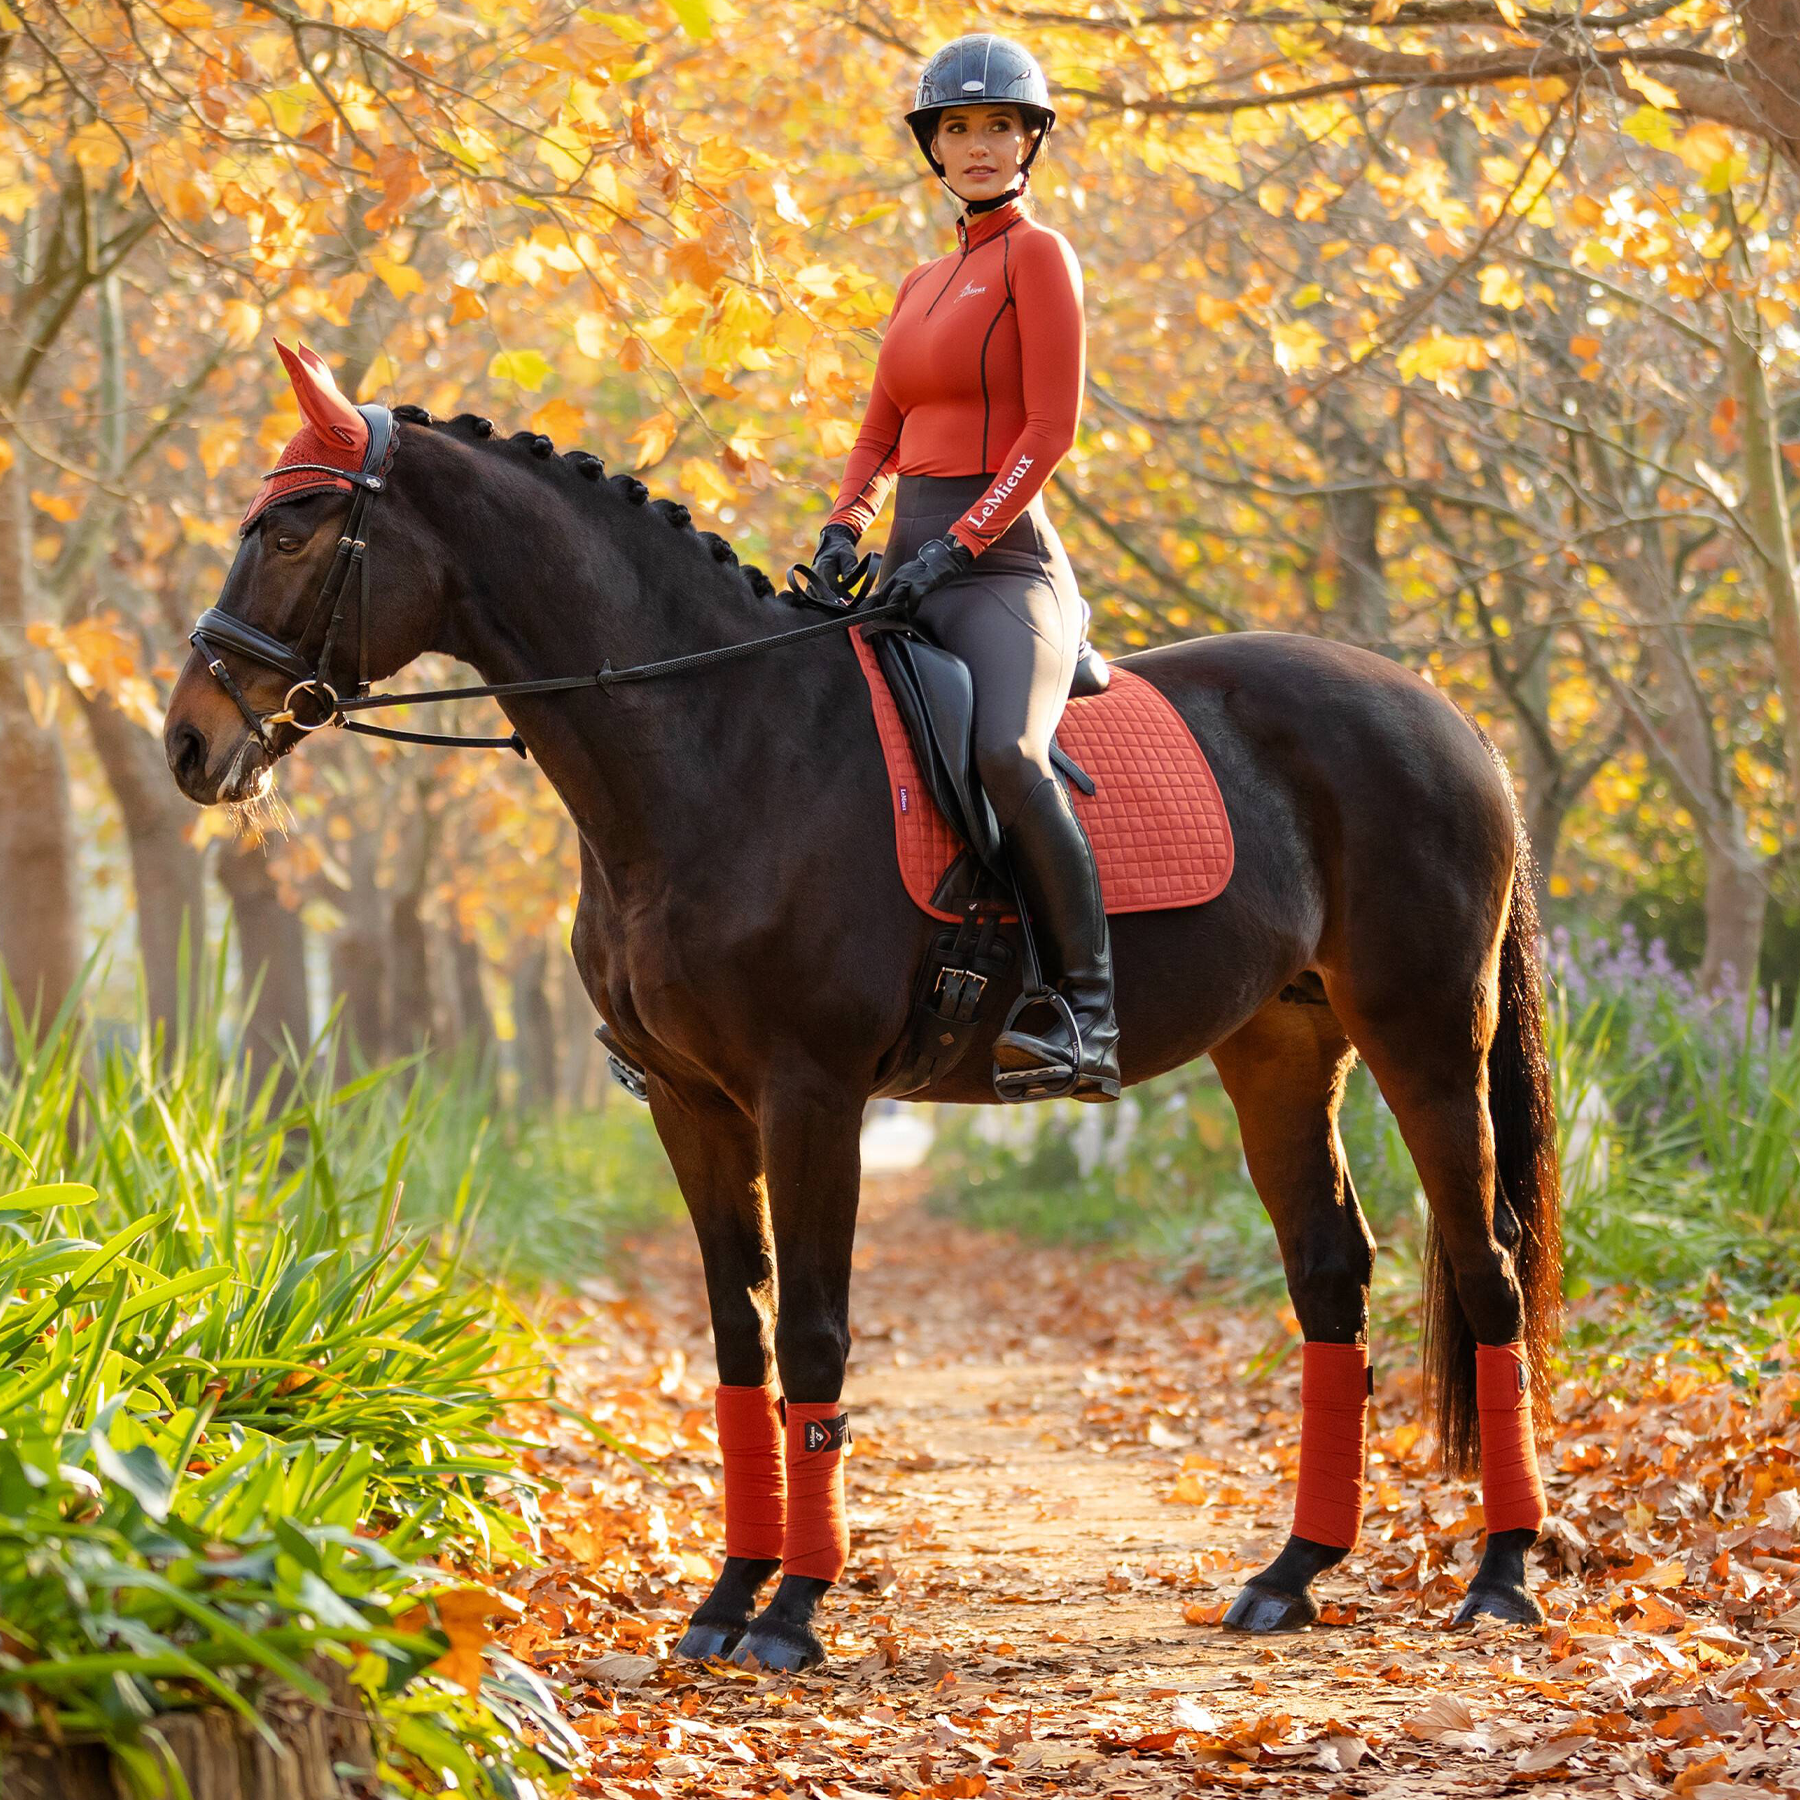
x=1334 y=1412
x=1512 y=1490
x=750 y=1446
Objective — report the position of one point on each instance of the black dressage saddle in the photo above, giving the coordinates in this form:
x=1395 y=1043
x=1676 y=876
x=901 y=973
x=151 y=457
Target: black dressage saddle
x=935 y=697
x=934 y=694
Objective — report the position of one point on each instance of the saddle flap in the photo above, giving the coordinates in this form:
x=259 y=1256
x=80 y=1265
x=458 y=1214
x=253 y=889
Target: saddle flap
x=935 y=697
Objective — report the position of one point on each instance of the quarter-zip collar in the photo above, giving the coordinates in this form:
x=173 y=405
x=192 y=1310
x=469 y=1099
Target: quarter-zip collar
x=988 y=224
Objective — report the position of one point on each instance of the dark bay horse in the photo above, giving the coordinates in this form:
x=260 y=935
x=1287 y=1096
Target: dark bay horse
x=743 y=929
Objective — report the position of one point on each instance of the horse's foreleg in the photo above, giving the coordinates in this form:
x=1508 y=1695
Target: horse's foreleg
x=811 y=1126
x=717 y=1157
x=1285 y=1072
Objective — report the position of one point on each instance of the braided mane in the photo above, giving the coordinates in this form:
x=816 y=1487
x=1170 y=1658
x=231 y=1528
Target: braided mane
x=591 y=468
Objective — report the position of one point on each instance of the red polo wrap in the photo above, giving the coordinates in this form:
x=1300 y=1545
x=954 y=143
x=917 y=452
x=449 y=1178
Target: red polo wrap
x=755 y=1472
x=1334 y=1410
x=1512 y=1490
x=818 y=1537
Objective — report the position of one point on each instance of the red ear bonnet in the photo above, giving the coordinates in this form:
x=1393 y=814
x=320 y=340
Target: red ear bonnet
x=335 y=433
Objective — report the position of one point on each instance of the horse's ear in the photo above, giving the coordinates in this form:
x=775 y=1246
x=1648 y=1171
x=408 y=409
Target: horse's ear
x=325 y=409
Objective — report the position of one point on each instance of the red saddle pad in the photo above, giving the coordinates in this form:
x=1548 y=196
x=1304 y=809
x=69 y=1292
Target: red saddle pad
x=1156 y=818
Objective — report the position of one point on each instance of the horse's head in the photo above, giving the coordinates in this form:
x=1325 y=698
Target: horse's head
x=299 y=620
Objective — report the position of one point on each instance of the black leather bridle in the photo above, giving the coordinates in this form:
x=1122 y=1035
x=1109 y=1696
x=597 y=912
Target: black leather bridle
x=313 y=703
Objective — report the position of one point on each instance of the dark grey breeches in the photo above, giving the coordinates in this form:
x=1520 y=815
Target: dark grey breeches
x=1015 y=618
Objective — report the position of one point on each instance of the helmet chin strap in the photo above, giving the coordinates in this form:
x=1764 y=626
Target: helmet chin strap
x=988 y=205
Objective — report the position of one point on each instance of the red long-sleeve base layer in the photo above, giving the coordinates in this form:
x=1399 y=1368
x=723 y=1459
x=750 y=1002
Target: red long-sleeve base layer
x=1334 y=1411
x=980 y=372
x=817 y=1541
x=750 y=1445
x=1512 y=1490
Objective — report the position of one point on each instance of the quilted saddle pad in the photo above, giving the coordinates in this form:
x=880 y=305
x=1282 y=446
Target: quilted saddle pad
x=1156 y=818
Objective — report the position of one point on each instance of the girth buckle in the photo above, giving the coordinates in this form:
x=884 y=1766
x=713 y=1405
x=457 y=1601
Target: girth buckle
x=957 y=995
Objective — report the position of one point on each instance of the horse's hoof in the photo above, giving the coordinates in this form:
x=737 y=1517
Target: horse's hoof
x=703 y=1639
x=781 y=1645
x=1262 y=1611
x=1493 y=1600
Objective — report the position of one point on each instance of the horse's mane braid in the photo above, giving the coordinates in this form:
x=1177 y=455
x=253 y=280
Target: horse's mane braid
x=591 y=468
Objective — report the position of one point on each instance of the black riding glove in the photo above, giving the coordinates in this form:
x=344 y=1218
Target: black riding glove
x=835 y=560
x=936 y=562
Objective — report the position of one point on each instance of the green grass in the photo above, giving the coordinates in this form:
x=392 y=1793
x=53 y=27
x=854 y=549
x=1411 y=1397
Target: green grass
x=255 y=1354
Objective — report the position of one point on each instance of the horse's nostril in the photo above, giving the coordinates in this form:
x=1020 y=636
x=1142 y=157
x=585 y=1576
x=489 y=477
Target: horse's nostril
x=187 y=752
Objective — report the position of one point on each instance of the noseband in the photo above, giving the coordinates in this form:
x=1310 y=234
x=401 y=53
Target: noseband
x=313 y=703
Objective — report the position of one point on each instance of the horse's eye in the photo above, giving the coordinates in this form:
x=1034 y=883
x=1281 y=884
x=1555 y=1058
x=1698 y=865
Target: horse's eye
x=287 y=543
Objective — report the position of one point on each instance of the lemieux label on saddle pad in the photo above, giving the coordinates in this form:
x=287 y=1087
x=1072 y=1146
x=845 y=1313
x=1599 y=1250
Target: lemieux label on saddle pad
x=1156 y=818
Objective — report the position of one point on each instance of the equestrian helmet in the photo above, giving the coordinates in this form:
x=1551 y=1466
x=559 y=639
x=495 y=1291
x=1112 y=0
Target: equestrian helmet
x=981 y=69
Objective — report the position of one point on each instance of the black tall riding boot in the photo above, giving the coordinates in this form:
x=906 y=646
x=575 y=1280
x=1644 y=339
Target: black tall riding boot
x=1055 y=865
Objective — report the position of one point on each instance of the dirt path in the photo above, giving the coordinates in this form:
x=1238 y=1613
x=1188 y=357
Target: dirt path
x=1061 y=1475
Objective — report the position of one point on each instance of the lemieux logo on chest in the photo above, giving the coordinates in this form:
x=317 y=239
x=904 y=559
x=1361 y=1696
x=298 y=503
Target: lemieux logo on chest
x=968 y=288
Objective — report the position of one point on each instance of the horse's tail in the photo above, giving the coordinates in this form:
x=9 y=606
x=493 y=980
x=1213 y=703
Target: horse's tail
x=1527 y=1196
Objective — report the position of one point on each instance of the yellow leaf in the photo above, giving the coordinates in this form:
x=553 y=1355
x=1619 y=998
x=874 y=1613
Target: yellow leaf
x=465 y=304
x=591 y=336
x=1512 y=13
x=1500 y=287
x=1584 y=209
x=218 y=445
x=401 y=280
x=1585 y=347
x=240 y=320
x=1649 y=125
x=96 y=148
x=704 y=481
x=559 y=419
x=524 y=368
x=1213 y=312
x=381 y=376
x=60 y=509
x=6 y=455
x=653 y=439
x=1297 y=345
x=1663 y=98
x=695 y=17
x=1382 y=11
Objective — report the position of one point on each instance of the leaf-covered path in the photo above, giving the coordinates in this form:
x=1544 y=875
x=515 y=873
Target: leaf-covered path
x=1062 y=1473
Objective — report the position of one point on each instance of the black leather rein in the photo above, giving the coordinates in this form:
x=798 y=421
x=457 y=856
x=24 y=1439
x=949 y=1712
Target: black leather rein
x=218 y=633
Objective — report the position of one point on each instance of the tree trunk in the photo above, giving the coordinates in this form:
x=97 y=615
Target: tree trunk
x=534 y=1028
x=167 y=873
x=359 y=956
x=1737 y=898
x=475 y=1019
x=40 y=903
x=1767 y=510
x=581 y=1058
x=411 y=1010
x=271 y=954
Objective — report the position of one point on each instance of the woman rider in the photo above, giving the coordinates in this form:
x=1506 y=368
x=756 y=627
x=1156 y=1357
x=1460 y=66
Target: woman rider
x=976 y=396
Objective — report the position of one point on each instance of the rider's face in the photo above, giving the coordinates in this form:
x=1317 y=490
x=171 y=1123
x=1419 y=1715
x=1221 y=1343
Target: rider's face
x=981 y=148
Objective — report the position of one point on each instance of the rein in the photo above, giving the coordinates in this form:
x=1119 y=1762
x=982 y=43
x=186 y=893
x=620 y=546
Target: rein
x=216 y=631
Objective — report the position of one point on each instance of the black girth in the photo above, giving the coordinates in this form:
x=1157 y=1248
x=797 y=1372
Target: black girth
x=313 y=703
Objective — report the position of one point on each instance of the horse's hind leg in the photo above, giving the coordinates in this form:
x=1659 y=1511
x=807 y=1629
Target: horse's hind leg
x=717 y=1159
x=1285 y=1074
x=1426 y=1041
